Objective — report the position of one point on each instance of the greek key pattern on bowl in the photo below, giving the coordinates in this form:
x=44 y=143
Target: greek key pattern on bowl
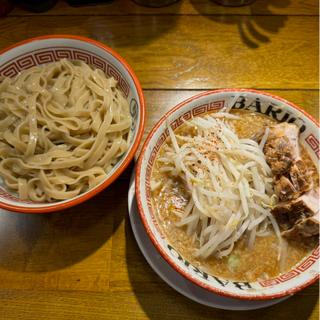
x=302 y=267
x=38 y=57
x=313 y=142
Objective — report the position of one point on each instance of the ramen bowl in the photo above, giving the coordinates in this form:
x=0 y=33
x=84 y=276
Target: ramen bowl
x=52 y=48
x=303 y=273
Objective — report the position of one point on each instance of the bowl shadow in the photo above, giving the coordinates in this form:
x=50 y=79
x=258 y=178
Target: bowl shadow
x=256 y=28
x=134 y=27
x=47 y=242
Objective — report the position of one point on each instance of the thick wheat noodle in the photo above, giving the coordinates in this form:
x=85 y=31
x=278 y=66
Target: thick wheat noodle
x=63 y=127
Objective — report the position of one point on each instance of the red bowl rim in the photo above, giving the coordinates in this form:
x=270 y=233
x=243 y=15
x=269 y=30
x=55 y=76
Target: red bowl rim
x=163 y=253
x=89 y=194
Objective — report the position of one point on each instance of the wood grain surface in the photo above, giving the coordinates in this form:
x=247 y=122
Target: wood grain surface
x=84 y=263
x=196 y=52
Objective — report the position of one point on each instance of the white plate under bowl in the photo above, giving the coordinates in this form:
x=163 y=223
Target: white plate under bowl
x=173 y=278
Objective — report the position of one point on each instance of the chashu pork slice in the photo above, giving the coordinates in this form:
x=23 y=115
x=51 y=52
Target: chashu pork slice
x=290 y=212
x=297 y=181
x=306 y=228
x=282 y=147
x=291 y=175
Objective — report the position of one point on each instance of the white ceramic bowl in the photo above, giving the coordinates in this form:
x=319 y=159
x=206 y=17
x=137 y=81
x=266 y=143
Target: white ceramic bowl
x=46 y=49
x=306 y=271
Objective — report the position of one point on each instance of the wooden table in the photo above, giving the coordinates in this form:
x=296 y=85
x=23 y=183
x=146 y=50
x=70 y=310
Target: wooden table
x=84 y=263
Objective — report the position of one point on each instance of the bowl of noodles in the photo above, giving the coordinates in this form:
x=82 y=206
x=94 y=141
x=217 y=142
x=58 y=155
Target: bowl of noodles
x=71 y=118
x=227 y=188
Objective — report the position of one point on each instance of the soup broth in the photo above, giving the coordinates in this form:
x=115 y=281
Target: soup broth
x=242 y=264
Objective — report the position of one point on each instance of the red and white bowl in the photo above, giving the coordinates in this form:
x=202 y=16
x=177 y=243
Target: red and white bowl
x=302 y=274
x=51 y=48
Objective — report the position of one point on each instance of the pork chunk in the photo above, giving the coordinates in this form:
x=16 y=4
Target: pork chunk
x=296 y=182
x=290 y=212
x=300 y=177
x=282 y=147
x=285 y=189
x=306 y=228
